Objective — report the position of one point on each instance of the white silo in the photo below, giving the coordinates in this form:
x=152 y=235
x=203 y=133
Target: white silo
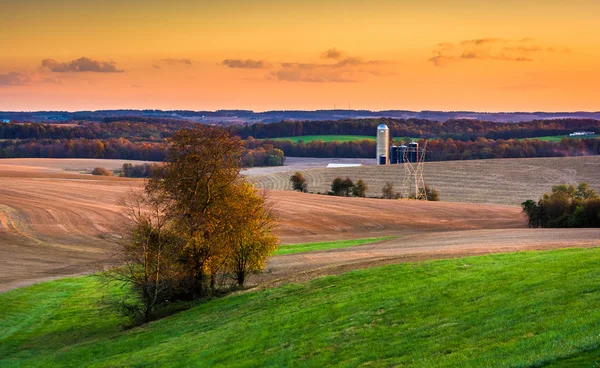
x=383 y=145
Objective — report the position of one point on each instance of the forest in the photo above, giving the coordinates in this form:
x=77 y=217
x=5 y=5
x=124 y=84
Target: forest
x=120 y=148
x=146 y=139
x=463 y=130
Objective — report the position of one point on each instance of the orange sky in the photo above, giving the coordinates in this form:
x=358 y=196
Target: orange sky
x=382 y=54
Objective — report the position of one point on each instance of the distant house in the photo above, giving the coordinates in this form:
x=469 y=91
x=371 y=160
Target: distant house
x=577 y=134
x=343 y=165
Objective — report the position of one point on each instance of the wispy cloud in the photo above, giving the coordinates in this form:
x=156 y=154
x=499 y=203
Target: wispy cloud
x=24 y=79
x=523 y=50
x=343 y=71
x=246 y=64
x=83 y=64
x=339 y=69
x=15 y=79
x=174 y=61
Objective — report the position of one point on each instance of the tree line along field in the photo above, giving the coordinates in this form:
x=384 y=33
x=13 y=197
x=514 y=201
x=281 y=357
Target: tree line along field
x=500 y=181
x=519 y=309
x=334 y=138
x=135 y=138
x=353 y=138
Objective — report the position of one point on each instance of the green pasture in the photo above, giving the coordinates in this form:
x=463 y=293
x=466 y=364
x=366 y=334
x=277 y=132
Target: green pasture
x=529 y=309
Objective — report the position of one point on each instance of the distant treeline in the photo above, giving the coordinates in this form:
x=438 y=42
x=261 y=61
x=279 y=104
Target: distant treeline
x=142 y=129
x=443 y=149
x=132 y=130
x=121 y=148
x=146 y=139
x=463 y=130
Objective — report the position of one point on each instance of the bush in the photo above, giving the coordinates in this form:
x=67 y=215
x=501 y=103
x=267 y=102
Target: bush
x=432 y=194
x=102 y=171
x=387 y=192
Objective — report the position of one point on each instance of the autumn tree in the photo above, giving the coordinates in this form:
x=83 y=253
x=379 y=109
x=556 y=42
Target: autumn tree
x=299 y=182
x=149 y=252
x=565 y=206
x=203 y=164
x=360 y=189
x=251 y=237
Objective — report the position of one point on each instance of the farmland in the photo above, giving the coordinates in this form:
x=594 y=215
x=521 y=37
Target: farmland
x=55 y=221
x=520 y=309
x=500 y=181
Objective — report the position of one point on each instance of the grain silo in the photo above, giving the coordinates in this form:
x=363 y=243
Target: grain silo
x=402 y=157
x=394 y=155
x=383 y=144
x=413 y=151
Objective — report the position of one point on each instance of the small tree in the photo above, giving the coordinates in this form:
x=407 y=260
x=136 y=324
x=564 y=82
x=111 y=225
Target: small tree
x=359 y=189
x=252 y=239
x=102 y=171
x=347 y=187
x=337 y=186
x=387 y=192
x=299 y=182
x=149 y=255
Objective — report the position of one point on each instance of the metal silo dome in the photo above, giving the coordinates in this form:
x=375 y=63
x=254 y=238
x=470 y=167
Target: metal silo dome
x=383 y=145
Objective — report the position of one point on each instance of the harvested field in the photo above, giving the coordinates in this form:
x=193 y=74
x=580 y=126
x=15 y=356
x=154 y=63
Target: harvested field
x=52 y=224
x=500 y=181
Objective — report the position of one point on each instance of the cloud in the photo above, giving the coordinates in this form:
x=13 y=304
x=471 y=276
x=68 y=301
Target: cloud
x=25 y=79
x=339 y=69
x=15 y=79
x=489 y=49
x=156 y=66
x=173 y=61
x=82 y=64
x=332 y=53
x=312 y=73
x=346 y=70
x=441 y=60
x=481 y=42
x=246 y=64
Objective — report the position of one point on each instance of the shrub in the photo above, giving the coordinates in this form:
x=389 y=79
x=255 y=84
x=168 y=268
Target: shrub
x=387 y=192
x=102 y=171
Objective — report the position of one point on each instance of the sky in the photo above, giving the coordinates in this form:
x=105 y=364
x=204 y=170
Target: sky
x=527 y=55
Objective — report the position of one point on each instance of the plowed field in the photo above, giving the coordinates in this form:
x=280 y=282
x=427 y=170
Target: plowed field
x=53 y=223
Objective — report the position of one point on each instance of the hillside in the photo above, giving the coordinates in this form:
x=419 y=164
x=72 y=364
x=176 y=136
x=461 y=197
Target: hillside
x=520 y=309
x=54 y=223
x=500 y=181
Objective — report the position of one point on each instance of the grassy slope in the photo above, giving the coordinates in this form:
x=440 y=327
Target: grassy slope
x=308 y=247
x=515 y=309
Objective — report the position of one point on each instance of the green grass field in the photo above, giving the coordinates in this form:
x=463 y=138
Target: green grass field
x=332 y=138
x=308 y=247
x=558 y=138
x=510 y=310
